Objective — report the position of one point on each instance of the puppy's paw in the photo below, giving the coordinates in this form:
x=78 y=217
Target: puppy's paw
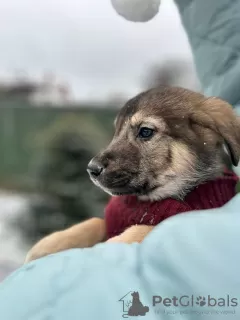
x=82 y=235
x=135 y=233
x=49 y=245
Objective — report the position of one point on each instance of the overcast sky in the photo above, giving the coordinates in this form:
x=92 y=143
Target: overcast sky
x=87 y=43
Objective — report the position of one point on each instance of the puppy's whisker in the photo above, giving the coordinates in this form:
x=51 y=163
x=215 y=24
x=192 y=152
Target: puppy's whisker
x=119 y=182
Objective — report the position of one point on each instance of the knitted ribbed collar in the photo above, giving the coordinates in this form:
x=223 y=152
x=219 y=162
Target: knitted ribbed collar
x=125 y=211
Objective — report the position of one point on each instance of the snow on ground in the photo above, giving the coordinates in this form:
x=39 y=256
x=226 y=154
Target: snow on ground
x=12 y=249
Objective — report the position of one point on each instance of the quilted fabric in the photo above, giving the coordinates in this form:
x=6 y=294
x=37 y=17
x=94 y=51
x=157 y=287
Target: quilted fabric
x=189 y=254
x=213 y=32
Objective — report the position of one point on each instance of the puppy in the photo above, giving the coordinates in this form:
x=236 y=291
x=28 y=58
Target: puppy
x=167 y=141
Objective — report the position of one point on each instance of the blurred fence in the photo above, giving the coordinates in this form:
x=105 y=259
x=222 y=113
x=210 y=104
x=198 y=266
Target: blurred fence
x=25 y=131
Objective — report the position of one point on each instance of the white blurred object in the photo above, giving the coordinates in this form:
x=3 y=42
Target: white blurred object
x=6 y=268
x=12 y=249
x=137 y=10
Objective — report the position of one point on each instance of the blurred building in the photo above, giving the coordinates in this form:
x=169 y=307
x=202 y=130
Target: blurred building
x=47 y=91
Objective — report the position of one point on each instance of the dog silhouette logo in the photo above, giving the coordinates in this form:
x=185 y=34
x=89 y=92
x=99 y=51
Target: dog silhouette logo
x=132 y=305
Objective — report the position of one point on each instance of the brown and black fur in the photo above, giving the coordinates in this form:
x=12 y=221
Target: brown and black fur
x=186 y=149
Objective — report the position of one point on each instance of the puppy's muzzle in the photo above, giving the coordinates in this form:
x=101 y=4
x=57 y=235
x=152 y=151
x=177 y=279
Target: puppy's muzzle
x=95 y=168
x=107 y=176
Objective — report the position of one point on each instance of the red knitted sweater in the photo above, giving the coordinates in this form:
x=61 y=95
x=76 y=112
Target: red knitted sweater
x=125 y=211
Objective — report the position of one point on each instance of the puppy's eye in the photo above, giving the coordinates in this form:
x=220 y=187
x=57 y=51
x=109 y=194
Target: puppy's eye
x=145 y=132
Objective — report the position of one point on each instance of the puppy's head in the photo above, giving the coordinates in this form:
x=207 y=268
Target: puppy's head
x=167 y=140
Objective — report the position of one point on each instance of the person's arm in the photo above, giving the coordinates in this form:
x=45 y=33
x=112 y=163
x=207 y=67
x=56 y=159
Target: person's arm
x=213 y=32
x=188 y=255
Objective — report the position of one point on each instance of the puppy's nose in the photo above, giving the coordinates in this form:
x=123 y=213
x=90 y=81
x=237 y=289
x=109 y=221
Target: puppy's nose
x=94 y=168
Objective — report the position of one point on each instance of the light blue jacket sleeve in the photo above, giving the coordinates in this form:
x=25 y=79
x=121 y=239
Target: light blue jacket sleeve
x=187 y=256
x=213 y=32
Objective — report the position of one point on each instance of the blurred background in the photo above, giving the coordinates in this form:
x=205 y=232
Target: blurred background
x=66 y=67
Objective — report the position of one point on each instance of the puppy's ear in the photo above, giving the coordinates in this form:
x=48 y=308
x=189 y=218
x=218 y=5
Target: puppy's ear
x=219 y=116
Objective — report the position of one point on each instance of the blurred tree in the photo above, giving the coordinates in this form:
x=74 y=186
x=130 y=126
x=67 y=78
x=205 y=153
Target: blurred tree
x=172 y=73
x=67 y=196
